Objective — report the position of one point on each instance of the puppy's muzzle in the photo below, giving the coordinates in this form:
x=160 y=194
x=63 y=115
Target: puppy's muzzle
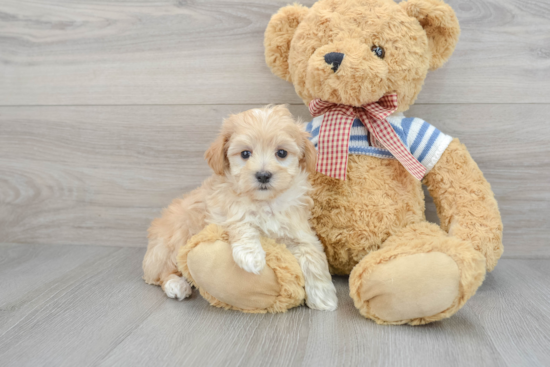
x=263 y=176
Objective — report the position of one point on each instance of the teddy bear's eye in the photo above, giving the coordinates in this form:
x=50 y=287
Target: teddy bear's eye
x=378 y=51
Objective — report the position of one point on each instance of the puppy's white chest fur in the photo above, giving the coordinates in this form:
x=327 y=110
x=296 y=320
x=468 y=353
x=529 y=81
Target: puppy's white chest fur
x=270 y=222
x=283 y=217
x=280 y=218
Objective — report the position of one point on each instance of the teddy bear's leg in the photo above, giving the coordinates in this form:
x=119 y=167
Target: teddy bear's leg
x=207 y=262
x=420 y=275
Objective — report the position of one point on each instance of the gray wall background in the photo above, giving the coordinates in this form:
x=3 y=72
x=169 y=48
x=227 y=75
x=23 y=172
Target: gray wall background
x=106 y=108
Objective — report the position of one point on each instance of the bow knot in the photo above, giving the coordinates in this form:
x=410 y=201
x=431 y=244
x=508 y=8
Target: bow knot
x=335 y=130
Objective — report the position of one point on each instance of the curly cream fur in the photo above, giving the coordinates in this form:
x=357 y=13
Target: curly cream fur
x=248 y=208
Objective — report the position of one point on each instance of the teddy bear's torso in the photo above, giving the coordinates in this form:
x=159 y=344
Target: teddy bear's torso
x=355 y=216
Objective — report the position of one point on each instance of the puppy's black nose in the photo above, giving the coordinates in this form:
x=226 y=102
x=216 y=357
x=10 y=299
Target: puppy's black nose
x=334 y=59
x=263 y=177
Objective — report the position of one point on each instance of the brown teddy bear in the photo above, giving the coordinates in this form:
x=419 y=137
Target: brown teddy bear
x=359 y=64
x=359 y=53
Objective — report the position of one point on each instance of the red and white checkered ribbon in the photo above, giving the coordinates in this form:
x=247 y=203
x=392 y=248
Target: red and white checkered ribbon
x=335 y=130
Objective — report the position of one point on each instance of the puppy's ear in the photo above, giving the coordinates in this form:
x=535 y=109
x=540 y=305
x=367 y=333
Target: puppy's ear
x=309 y=160
x=440 y=24
x=216 y=155
x=279 y=34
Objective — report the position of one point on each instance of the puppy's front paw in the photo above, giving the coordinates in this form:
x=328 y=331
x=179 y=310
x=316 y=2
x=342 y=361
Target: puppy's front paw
x=321 y=296
x=250 y=258
x=177 y=288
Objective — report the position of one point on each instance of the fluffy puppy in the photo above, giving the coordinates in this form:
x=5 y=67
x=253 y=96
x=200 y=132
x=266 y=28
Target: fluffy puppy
x=260 y=187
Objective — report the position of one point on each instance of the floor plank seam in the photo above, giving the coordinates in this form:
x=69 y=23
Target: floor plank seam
x=130 y=332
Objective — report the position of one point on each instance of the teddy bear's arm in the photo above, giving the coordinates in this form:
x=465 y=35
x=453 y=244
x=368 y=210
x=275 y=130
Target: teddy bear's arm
x=465 y=202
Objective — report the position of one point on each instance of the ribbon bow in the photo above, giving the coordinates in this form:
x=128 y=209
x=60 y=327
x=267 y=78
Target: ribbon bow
x=336 y=128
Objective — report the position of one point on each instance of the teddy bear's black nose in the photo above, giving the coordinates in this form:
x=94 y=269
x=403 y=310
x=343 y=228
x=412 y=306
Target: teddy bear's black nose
x=334 y=59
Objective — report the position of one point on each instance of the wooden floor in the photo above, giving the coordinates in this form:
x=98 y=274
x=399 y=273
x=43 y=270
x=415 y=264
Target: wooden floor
x=87 y=306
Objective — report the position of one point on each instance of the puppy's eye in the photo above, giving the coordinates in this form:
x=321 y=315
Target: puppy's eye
x=378 y=51
x=282 y=153
x=245 y=154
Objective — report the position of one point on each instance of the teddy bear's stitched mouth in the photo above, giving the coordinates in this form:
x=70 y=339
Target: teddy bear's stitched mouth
x=335 y=96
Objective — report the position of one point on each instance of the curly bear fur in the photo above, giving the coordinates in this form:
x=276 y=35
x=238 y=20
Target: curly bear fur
x=377 y=215
x=417 y=35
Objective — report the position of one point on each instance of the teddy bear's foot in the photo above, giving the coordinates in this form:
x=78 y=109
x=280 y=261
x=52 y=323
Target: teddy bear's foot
x=207 y=262
x=411 y=287
x=421 y=275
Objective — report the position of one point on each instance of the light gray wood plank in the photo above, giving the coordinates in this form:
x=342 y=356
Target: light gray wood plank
x=19 y=267
x=76 y=311
x=99 y=175
x=521 y=288
x=303 y=337
x=89 y=306
x=67 y=52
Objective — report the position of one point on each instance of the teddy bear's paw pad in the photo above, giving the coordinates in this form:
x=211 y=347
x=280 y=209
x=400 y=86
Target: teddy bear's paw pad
x=411 y=287
x=177 y=288
x=215 y=271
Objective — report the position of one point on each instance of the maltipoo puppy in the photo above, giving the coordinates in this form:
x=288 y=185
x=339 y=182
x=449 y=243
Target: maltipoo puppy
x=260 y=187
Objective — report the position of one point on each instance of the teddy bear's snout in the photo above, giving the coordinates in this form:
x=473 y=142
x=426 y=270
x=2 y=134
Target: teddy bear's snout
x=334 y=59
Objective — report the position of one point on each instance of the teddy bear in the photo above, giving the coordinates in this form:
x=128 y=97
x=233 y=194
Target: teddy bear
x=359 y=65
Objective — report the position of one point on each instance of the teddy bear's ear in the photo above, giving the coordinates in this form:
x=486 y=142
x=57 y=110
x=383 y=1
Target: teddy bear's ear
x=439 y=21
x=278 y=35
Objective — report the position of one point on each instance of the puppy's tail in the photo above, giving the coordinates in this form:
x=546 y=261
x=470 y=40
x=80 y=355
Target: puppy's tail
x=158 y=263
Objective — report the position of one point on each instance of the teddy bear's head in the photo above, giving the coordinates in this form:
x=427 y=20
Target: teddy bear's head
x=354 y=52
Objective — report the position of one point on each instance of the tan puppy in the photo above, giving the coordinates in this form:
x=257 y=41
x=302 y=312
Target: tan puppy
x=261 y=161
